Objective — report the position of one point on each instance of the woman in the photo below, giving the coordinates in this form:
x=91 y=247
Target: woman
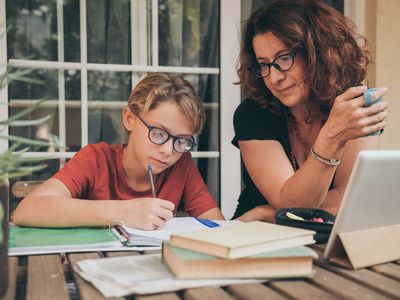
x=105 y=182
x=304 y=121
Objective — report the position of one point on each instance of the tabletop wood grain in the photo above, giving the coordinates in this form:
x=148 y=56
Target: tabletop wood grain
x=53 y=277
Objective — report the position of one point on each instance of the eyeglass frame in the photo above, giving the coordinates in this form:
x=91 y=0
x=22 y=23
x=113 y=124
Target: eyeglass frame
x=174 y=138
x=292 y=55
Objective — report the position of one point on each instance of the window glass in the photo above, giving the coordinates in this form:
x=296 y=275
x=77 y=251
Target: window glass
x=207 y=87
x=188 y=33
x=21 y=94
x=108 y=31
x=108 y=94
x=33 y=29
x=73 y=110
x=72 y=29
x=47 y=131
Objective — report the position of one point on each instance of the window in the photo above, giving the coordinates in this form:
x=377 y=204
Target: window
x=87 y=68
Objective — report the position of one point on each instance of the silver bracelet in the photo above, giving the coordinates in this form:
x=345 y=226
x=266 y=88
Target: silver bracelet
x=327 y=161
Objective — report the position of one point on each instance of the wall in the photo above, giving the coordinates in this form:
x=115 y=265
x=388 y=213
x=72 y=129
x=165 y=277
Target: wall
x=382 y=24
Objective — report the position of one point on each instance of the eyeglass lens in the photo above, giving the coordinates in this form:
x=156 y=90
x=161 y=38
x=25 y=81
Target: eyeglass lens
x=281 y=63
x=159 y=136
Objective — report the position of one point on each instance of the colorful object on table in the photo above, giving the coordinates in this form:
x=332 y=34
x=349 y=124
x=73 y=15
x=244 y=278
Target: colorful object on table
x=320 y=220
x=208 y=223
x=294 y=217
x=315 y=219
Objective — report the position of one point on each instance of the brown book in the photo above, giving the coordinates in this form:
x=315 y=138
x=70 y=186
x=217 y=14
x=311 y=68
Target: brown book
x=243 y=239
x=291 y=262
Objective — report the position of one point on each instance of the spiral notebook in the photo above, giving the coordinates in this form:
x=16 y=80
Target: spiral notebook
x=33 y=240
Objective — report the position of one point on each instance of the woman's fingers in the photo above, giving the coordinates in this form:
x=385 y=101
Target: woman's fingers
x=350 y=118
x=372 y=116
x=375 y=127
x=356 y=95
x=352 y=93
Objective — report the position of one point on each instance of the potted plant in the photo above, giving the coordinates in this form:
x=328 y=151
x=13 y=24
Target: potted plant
x=12 y=160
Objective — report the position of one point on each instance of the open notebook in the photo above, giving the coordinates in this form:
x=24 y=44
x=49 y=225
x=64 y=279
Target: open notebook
x=29 y=240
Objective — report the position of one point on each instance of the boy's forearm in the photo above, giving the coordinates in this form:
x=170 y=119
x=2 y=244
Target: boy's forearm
x=56 y=211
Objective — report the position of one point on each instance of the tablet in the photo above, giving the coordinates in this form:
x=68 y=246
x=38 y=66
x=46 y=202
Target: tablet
x=372 y=196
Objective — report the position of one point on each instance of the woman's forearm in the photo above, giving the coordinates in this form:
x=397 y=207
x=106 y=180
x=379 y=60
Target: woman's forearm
x=309 y=186
x=331 y=202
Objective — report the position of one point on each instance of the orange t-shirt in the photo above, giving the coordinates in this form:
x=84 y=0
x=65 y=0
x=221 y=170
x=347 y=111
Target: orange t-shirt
x=96 y=173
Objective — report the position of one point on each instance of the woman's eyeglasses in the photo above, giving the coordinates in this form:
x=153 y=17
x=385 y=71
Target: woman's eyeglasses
x=160 y=136
x=282 y=63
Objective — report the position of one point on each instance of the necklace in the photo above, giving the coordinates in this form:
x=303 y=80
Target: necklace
x=293 y=132
x=300 y=138
x=291 y=144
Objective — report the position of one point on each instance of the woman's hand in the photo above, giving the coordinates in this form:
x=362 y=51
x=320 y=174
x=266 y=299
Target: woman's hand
x=260 y=213
x=349 y=119
x=143 y=213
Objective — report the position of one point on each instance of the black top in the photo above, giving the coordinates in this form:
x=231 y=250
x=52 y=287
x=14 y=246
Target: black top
x=251 y=122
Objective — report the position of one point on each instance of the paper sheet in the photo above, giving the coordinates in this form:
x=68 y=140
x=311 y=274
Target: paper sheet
x=144 y=274
x=176 y=225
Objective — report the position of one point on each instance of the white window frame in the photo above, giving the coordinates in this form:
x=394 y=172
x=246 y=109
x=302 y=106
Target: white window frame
x=230 y=98
x=3 y=63
x=229 y=93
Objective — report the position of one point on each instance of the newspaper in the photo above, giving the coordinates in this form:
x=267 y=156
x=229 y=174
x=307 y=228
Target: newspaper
x=141 y=274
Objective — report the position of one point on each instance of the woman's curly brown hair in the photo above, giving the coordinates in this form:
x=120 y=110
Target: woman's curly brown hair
x=327 y=40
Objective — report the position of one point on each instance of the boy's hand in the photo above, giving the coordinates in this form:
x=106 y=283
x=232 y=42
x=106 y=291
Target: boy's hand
x=146 y=213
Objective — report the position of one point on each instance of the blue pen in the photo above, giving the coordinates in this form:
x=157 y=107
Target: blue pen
x=208 y=223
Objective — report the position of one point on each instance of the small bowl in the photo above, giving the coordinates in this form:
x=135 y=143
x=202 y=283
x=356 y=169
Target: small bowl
x=322 y=230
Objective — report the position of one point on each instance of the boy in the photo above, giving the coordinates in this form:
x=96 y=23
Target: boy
x=162 y=115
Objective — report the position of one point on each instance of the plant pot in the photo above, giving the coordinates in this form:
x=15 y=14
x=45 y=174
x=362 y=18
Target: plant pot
x=4 y=236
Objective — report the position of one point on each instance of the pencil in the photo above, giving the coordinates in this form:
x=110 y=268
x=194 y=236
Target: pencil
x=153 y=190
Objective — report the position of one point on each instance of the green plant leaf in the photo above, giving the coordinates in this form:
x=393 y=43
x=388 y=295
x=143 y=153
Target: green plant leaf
x=19 y=123
x=23 y=113
x=26 y=141
x=20 y=172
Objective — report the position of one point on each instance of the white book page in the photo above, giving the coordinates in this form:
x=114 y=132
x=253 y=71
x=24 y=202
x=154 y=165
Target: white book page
x=176 y=225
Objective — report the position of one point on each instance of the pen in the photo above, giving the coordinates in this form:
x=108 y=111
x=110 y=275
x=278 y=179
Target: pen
x=153 y=190
x=127 y=239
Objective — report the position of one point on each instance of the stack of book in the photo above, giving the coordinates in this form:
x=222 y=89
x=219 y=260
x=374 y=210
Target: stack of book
x=244 y=250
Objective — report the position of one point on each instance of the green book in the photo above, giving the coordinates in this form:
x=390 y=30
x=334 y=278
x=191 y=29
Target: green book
x=32 y=240
x=290 y=262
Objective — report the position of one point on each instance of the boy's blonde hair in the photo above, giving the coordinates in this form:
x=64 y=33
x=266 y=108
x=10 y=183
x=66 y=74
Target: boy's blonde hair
x=156 y=88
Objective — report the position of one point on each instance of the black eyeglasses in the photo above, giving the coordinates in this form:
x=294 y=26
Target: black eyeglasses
x=160 y=136
x=282 y=63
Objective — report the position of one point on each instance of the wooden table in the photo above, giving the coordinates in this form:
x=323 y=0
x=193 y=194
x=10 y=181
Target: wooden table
x=44 y=277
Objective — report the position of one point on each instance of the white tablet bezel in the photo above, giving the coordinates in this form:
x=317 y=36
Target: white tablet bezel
x=372 y=196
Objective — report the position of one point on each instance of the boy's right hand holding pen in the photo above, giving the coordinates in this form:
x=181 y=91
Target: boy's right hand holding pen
x=145 y=213
x=149 y=213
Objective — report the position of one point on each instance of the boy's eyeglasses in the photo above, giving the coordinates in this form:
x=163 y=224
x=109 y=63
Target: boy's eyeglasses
x=160 y=136
x=282 y=63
